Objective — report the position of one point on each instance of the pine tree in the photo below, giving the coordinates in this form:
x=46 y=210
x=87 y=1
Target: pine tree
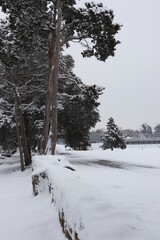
x=78 y=114
x=113 y=137
x=77 y=106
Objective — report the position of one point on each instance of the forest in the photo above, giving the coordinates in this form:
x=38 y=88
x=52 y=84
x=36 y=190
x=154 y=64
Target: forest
x=41 y=98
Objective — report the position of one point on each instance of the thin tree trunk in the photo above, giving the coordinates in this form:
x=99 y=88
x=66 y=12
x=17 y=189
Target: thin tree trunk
x=55 y=85
x=27 y=156
x=49 y=93
x=26 y=150
x=17 y=126
x=46 y=123
x=19 y=139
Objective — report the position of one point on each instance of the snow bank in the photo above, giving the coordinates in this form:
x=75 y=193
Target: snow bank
x=82 y=209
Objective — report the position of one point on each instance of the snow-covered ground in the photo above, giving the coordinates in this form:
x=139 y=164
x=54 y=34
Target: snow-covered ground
x=128 y=181
x=22 y=216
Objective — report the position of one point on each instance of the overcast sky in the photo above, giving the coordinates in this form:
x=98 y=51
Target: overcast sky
x=132 y=77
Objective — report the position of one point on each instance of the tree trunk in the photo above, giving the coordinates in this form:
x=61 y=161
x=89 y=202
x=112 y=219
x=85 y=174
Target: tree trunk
x=26 y=149
x=19 y=139
x=50 y=118
x=18 y=130
x=55 y=85
x=49 y=92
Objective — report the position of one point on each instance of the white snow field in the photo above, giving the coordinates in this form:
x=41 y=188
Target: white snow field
x=129 y=180
x=114 y=194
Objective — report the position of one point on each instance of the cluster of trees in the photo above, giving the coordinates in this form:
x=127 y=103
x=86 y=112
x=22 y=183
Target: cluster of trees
x=145 y=131
x=36 y=80
x=113 y=137
x=77 y=105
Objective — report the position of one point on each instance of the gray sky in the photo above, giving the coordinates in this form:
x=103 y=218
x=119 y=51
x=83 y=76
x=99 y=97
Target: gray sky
x=132 y=77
